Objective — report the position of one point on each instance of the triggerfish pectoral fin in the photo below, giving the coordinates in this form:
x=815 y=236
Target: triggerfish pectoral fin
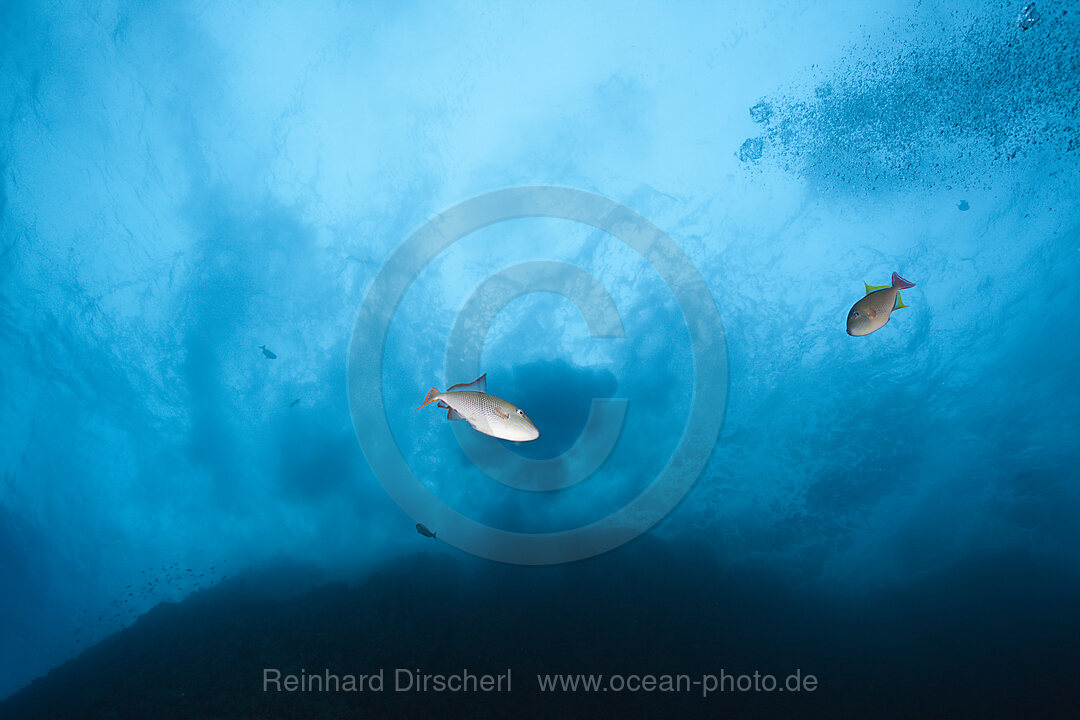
x=872 y=288
x=899 y=302
x=453 y=414
x=477 y=385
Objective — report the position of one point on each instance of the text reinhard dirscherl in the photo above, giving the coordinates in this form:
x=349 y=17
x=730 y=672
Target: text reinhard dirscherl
x=410 y=680
x=403 y=680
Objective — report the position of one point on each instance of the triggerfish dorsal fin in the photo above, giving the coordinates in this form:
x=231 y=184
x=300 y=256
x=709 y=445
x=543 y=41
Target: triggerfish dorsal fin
x=899 y=302
x=477 y=385
x=872 y=288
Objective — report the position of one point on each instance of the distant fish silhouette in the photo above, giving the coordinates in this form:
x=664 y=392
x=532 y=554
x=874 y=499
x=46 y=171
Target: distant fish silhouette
x=294 y=403
x=267 y=353
x=423 y=530
x=962 y=205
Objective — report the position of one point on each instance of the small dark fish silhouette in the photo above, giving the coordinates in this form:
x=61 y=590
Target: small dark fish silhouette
x=962 y=205
x=294 y=403
x=423 y=530
x=268 y=353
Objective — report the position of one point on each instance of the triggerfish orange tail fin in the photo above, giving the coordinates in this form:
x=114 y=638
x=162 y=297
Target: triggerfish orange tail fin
x=432 y=394
x=901 y=283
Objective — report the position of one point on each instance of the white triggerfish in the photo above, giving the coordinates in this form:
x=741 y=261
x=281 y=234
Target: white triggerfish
x=486 y=413
x=873 y=311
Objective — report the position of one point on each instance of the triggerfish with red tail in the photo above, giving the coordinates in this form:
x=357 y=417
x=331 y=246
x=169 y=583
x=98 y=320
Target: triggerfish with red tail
x=486 y=413
x=873 y=311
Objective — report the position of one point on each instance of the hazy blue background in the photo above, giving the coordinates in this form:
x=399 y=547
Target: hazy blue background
x=181 y=183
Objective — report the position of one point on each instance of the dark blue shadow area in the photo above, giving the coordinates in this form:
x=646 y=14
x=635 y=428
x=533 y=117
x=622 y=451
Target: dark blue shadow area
x=989 y=637
x=20 y=543
x=557 y=395
x=316 y=461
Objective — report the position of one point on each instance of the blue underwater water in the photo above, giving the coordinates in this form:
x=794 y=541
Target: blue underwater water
x=184 y=183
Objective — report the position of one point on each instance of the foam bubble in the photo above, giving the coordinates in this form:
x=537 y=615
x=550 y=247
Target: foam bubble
x=751 y=150
x=1028 y=17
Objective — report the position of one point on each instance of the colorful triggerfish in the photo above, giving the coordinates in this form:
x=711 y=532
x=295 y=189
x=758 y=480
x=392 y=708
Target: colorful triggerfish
x=873 y=311
x=423 y=530
x=486 y=413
